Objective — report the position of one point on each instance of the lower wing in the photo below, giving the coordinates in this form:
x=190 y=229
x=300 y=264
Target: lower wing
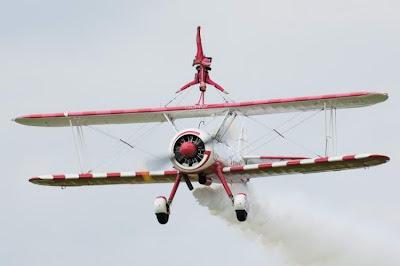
x=232 y=174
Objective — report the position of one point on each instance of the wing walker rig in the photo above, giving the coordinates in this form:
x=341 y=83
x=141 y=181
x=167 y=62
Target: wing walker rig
x=203 y=67
x=206 y=158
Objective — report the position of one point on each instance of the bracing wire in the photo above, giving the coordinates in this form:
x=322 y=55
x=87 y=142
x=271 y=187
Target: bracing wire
x=178 y=95
x=122 y=149
x=227 y=99
x=83 y=146
x=271 y=130
x=287 y=130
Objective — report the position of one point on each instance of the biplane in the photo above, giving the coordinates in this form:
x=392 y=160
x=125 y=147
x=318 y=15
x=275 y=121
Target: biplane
x=206 y=157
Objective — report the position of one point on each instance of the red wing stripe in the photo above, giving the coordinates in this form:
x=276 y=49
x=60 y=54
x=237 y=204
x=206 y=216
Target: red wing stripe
x=297 y=162
x=170 y=172
x=111 y=175
x=349 y=157
x=237 y=168
x=321 y=160
x=58 y=176
x=265 y=165
x=85 y=176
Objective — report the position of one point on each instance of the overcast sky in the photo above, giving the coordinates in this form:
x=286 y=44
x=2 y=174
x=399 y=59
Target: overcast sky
x=58 y=56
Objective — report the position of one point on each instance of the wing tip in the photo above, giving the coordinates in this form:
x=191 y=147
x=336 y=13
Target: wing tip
x=384 y=157
x=35 y=180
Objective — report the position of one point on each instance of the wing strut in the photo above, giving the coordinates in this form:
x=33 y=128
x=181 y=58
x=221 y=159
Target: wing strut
x=330 y=130
x=80 y=147
x=171 y=122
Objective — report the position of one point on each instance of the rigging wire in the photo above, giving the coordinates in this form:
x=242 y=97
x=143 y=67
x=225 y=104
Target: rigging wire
x=178 y=95
x=271 y=130
x=223 y=97
x=290 y=128
x=184 y=96
x=122 y=149
x=81 y=138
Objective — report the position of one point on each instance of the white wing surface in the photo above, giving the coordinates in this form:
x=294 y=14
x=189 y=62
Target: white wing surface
x=232 y=174
x=126 y=116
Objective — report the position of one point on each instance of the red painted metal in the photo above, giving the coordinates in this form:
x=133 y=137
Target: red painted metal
x=188 y=149
x=174 y=188
x=218 y=168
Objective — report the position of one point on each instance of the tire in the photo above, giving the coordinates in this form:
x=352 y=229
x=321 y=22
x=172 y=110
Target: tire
x=241 y=215
x=162 y=218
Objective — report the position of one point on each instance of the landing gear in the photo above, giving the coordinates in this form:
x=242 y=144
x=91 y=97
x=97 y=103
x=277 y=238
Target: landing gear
x=161 y=209
x=162 y=206
x=239 y=202
x=241 y=206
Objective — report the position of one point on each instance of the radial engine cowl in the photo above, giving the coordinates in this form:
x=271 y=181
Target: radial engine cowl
x=190 y=151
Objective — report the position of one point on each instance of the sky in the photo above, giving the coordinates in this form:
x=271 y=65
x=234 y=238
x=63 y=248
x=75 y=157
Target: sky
x=58 y=56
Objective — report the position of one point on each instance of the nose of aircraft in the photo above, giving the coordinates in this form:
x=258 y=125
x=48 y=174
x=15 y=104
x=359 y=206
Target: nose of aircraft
x=188 y=149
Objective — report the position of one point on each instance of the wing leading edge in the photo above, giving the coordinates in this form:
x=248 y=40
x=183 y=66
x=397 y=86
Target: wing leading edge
x=232 y=174
x=146 y=115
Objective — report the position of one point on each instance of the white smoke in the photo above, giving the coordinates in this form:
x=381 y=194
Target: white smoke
x=301 y=233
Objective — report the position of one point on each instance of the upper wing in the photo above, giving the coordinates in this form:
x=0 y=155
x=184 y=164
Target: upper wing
x=232 y=174
x=339 y=101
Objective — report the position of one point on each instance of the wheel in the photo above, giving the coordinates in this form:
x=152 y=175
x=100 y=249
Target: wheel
x=161 y=209
x=162 y=218
x=241 y=215
x=241 y=206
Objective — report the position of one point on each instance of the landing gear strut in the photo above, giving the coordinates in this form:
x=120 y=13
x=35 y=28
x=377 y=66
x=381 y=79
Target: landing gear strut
x=162 y=206
x=239 y=202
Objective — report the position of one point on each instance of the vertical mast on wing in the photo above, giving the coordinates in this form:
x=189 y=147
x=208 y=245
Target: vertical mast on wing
x=203 y=66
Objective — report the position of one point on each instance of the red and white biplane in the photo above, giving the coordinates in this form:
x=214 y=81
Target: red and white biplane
x=206 y=157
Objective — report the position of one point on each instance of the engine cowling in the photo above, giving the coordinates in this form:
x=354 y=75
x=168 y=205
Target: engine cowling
x=191 y=151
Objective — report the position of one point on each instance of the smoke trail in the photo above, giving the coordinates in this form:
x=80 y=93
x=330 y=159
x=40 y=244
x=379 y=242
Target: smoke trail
x=303 y=234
